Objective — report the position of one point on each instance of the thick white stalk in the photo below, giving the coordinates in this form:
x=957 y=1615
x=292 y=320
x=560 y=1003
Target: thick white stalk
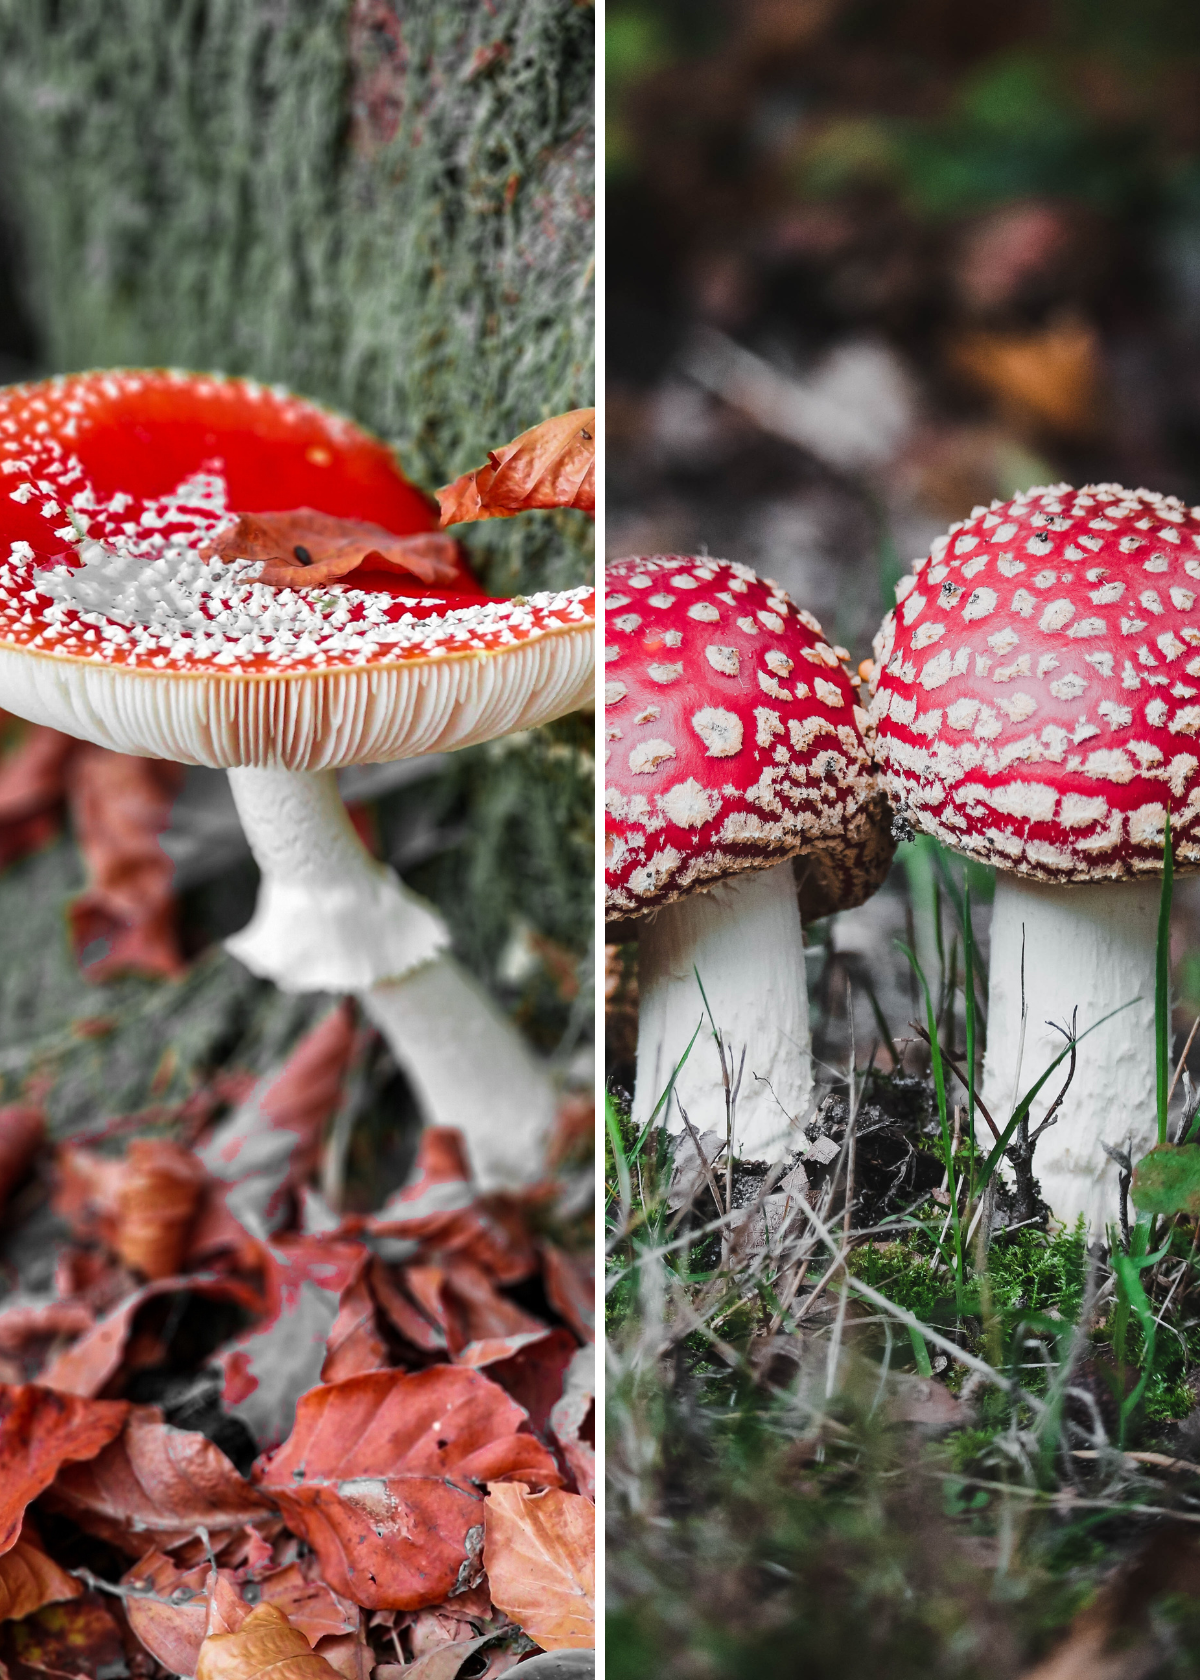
x=331 y=918
x=743 y=938
x=470 y=1068
x=1092 y=947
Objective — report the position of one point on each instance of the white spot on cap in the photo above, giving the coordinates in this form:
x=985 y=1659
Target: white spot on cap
x=614 y=693
x=627 y=623
x=927 y=633
x=1069 y=687
x=664 y=601
x=1170 y=645
x=1018 y=706
x=912 y=608
x=1109 y=765
x=688 y=804
x=1056 y=615
x=720 y=731
x=961 y=715
x=704 y=612
x=778 y=662
x=768 y=725
x=664 y=673
x=723 y=659
x=980 y=603
x=1116 y=716
x=648 y=755
x=828 y=693
x=1107 y=594
x=1186 y=721
x=1078 y=810
x=1087 y=627
x=1182 y=598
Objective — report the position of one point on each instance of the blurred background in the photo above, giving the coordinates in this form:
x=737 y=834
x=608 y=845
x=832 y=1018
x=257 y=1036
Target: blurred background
x=388 y=208
x=870 y=265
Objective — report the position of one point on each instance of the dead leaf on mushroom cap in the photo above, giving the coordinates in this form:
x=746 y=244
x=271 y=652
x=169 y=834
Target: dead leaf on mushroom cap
x=381 y=1472
x=552 y=465
x=265 y=1647
x=540 y=1556
x=40 y=1431
x=334 y=548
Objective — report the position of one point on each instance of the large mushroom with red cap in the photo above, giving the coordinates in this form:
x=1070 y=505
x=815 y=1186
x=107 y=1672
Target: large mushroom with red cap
x=200 y=569
x=735 y=752
x=1038 y=706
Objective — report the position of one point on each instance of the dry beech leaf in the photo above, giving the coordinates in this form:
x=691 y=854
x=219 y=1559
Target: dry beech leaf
x=157 y=1199
x=91 y=1364
x=124 y=921
x=40 y=1431
x=552 y=465
x=22 y=1132
x=570 y=1417
x=540 y=1556
x=570 y=1283
x=29 y=1579
x=75 y=1639
x=265 y=1647
x=446 y=1662
x=156 y=1485
x=379 y=1476
x=267 y=1370
x=332 y=548
x=269 y=1145
x=480 y=1325
x=1051 y=376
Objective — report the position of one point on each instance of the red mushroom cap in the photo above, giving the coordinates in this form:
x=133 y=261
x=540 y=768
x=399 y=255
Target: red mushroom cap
x=125 y=500
x=1038 y=685
x=734 y=735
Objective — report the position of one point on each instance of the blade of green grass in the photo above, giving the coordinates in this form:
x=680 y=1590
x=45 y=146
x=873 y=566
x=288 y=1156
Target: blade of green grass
x=1162 y=985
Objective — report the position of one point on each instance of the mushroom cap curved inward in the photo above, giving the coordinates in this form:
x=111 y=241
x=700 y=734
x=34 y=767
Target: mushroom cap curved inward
x=120 y=624
x=735 y=740
x=1037 y=697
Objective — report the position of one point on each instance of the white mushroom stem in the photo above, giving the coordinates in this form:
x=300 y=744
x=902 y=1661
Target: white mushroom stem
x=1091 y=946
x=331 y=918
x=743 y=939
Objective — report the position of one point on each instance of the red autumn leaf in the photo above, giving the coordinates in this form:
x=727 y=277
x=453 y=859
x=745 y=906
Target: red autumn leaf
x=488 y=1655
x=94 y=1361
x=73 y=1640
x=540 y=1554
x=31 y=1331
x=157 y=1198
x=402 y=1312
x=265 y=1647
x=570 y=1284
x=535 y=1375
x=40 y=1431
x=87 y=1190
x=29 y=1579
x=354 y=1344
x=479 y=1323
x=124 y=921
x=22 y=1132
x=379 y=1477
x=332 y=548
x=155 y=1485
x=268 y=1370
x=269 y=1145
x=32 y=790
x=552 y=465
x=172 y=1608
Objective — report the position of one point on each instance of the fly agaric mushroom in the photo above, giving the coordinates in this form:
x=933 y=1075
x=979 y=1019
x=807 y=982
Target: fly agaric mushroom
x=1037 y=704
x=199 y=569
x=735 y=744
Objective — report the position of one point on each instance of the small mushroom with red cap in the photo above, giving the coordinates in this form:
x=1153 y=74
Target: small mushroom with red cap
x=735 y=748
x=200 y=569
x=1037 y=708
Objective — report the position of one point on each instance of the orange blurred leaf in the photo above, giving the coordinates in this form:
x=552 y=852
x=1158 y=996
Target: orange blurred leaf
x=1051 y=376
x=40 y=1431
x=552 y=465
x=157 y=1199
x=265 y=1647
x=29 y=1579
x=32 y=790
x=379 y=1476
x=540 y=1555
x=124 y=921
x=331 y=548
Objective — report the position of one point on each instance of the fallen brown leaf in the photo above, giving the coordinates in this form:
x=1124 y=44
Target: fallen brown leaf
x=488 y=1655
x=570 y=1282
x=40 y=1431
x=29 y=1579
x=32 y=790
x=572 y=1421
x=552 y=465
x=1051 y=376
x=380 y=1477
x=540 y=1556
x=265 y=1647
x=76 y=1639
x=155 y=1485
x=332 y=548
x=157 y=1199
x=124 y=921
